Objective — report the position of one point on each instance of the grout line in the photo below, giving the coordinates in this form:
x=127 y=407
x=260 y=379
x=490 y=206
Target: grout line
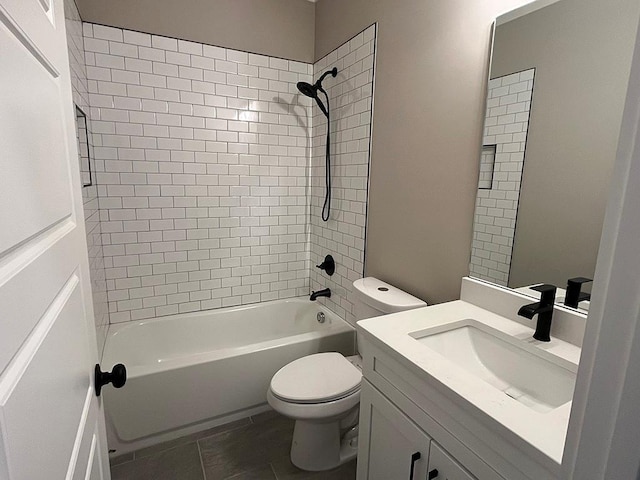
x=273 y=470
x=224 y=431
x=204 y=474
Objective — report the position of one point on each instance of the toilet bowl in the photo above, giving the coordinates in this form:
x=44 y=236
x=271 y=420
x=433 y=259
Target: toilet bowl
x=322 y=391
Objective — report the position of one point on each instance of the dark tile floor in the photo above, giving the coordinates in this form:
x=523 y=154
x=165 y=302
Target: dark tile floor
x=255 y=448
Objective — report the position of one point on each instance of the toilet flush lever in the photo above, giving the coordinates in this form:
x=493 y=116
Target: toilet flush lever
x=116 y=377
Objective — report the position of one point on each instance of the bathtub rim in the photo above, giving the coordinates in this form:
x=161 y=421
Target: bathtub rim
x=338 y=326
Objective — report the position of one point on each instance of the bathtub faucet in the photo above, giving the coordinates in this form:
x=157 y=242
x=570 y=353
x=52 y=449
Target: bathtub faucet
x=320 y=293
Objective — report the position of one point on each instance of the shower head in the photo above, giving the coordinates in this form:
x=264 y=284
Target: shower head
x=307 y=89
x=311 y=91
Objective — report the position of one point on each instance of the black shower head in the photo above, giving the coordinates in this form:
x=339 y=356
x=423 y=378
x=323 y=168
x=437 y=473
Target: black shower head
x=307 y=89
x=312 y=90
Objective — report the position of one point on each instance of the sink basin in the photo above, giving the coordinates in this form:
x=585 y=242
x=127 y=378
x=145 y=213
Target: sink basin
x=519 y=369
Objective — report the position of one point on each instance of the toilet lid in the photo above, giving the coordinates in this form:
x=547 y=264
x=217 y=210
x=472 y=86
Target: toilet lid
x=321 y=377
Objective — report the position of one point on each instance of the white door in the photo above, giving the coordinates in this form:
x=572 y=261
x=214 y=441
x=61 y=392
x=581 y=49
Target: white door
x=51 y=423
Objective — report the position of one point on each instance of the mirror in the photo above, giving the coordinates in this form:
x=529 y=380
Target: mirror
x=84 y=156
x=558 y=78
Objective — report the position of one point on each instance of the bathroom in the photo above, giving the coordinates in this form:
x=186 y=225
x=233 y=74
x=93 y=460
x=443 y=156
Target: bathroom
x=201 y=189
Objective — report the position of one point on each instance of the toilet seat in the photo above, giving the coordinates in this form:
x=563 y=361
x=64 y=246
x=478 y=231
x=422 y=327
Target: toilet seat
x=318 y=378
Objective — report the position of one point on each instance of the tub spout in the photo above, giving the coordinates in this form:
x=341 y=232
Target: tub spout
x=320 y=293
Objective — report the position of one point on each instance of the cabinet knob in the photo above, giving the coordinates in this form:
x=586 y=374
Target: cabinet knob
x=117 y=377
x=432 y=474
x=414 y=458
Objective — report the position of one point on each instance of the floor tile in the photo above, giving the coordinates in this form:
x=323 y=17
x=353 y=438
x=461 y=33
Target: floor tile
x=127 y=457
x=180 y=463
x=246 y=448
x=265 y=416
x=145 y=452
x=262 y=473
x=285 y=470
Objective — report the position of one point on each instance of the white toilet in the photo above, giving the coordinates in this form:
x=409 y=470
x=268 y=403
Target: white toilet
x=322 y=391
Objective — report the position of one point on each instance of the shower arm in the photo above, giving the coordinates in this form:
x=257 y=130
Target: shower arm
x=318 y=84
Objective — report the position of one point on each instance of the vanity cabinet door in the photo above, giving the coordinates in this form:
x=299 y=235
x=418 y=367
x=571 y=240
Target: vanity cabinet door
x=391 y=445
x=443 y=467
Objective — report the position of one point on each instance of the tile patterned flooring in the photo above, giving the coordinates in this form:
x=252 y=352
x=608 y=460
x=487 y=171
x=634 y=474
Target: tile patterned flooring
x=255 y=448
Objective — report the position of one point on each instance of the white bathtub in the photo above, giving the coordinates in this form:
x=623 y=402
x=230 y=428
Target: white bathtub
x=194 y=371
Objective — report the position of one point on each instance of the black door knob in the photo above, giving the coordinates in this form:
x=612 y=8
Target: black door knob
x=116 y=377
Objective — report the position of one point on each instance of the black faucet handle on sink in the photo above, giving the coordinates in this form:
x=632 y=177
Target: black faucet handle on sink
x=544 y=310
x=548 y=292
x=574 y=295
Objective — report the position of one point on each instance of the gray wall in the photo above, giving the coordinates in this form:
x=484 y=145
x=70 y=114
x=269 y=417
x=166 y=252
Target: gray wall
x=280 y=28
x=582 y=54
x=431 y=72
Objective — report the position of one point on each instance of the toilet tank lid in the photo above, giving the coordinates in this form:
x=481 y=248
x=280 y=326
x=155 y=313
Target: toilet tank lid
x=384 y=297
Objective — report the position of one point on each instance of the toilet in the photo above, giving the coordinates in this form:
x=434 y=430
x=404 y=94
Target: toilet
x=322 y=391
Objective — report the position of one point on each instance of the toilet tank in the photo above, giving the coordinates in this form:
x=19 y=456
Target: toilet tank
x=373 y=297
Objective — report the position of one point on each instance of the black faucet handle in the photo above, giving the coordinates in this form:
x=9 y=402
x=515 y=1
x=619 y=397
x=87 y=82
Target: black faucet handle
x=328 y=265
x=548 y=292
x=578 y=281
x=574 y=296
x=545 y=287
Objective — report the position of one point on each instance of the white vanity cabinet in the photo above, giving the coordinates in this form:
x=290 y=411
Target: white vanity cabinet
x=430 y=386
x=394 y=447
x=443 y=467
x=404 y=411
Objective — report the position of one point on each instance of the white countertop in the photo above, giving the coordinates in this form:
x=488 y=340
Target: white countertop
x=545 y=432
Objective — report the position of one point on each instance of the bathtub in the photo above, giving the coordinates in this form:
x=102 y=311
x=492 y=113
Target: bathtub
x=194 y=371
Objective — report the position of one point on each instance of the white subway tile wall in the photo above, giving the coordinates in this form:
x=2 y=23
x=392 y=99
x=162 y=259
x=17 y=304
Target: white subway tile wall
x=506 y=126
x=203 y=173
x=79 y=85
x=343 y=236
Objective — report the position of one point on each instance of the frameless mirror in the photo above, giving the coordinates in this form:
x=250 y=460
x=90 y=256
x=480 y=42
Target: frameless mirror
x=558 y=78
x=84 y=156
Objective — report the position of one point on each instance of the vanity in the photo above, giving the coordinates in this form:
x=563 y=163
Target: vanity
x=462 y=391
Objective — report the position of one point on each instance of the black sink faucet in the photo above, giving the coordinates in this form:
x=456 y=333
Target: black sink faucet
x=320 y=293
x=574 y=296
x=544 y=310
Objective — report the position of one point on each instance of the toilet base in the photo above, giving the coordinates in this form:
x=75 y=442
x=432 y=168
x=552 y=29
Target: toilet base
x=318 y=446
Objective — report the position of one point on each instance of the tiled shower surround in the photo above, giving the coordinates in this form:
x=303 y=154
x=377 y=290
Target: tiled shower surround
x=204 y=181
x=343 y=236
x=80 y=93
x=506 y=126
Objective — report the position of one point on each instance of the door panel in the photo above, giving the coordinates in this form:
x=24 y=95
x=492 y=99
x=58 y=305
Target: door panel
x=51 y=422
x=43 y=397
x=94 y=472
x=34 y=23
x=392 y=441
x=89 y=449
x=446 y=466
x=34 y=185
x=39 y=267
